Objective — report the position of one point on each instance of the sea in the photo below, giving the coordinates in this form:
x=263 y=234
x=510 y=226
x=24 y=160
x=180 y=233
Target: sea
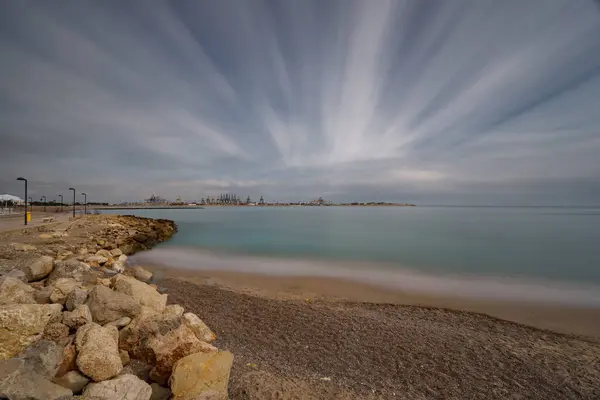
x=545 y=254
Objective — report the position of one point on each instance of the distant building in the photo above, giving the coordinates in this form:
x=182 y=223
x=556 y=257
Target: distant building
x=9 y=197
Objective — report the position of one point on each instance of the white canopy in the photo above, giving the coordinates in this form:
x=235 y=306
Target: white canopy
x=10 y=197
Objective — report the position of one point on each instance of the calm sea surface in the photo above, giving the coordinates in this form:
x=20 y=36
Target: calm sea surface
x=521 y=244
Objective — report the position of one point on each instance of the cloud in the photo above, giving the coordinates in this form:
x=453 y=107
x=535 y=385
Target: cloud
x=293 y=100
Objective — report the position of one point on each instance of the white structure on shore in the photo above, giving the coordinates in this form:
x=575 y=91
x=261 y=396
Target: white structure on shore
x=10 y=197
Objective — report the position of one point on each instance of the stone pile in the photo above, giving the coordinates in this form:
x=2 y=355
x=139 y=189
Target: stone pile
x=82 y=325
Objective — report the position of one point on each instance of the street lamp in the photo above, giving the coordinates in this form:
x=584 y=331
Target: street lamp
x=84 y=203
x=61 y=202
x=73 y=201
x=23 y=179
x=44 y=200
x=30 y=204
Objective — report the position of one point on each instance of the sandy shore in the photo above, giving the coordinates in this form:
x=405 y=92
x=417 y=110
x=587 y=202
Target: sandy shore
x=320 y=338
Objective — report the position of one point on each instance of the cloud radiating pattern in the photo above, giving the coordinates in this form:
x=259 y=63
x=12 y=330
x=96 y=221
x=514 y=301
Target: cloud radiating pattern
x=359 y=100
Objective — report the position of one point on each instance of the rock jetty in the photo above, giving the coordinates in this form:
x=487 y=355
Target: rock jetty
x=76 y=321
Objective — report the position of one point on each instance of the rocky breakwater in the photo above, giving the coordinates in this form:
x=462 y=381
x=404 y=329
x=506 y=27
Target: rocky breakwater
x=77 y=322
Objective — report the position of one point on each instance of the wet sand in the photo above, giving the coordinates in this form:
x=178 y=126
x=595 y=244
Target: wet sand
x=321 y=338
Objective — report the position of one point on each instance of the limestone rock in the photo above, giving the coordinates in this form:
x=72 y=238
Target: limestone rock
x=124 y=355
x=78 y=317
x=43 y=357
x=142 y=274
x=97 y=351
x=68 y=361
x=141 y=292
x=71 y=268
x=73 y=380
x=104 y=253
x=116 y=253
x=39 y=268
x=117 y=267
x=120 y=323
x=174 y=309
x=107 y=305
x=23 y=324
x=134 y=337
x=174 y=345
x=55 y=331
x=42 y=296
x=158 y=377
x=14 y=291
x=76 y=298
x=159 y=392
x=122 y=258
x=123 y=387
x=19 y=382
x=95 y=259
x=62 y=288
x=201 y=374
x=23 y=247
x=200 y=329
x=17 y=274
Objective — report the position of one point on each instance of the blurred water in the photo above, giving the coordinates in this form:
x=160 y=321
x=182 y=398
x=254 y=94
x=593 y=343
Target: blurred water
x=560 y=244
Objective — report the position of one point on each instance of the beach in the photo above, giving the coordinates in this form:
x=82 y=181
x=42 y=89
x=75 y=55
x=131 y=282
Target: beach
x=319 y=338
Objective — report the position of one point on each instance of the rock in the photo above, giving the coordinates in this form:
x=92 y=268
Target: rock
x=123 y=387
x=45 y=236
x=19 y=382
x=200 y=329
x=39 y=268
x=96 y=259
x=78 y=317
x=14 y=291
x=119 y=323
x=139 y=369
x=73 y=380
x=42 y=296
x=17 y=274
x=103 y=282
x=141 y=274
x=159 y=392
x=55 y=331
x=23 y=324
x=107 y=305
x=174 y=309
x=116 y=253
x=62 y=288
x=134 y=337
x=141 y=292
x=104 y=253
x=71 y=268
x=158 y=377
x=124 y=357
x=43 y=357
x=117 y=267
x=122 y=258
x=68 y=361
x=23 y=247
x=76 y=298
x=201 y=374
x=174 y=345
x=98 y=352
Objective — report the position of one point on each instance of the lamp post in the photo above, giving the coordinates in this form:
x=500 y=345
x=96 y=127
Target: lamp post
x=44 y=200
x=25 y=215
x=73 y=201
x=30 y=204
x=61 y=202
x=84 y=203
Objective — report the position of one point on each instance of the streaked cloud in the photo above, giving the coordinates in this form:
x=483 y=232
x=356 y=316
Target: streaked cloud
x=395 y=100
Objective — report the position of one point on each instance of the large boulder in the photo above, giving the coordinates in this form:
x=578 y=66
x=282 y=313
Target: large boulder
x=39 y=268
x=23 y=324
x=201 y=375
x=17 y=274
x=68 y=359
x=174 y=345
x=98 y=351
x=142 y=274
x=42 y=296
x=43 y=357
x=174 y=309
x=95 y=259
x=76 y=298
x=19 y=382
x=78 y=317
x=14 y=291
x=141 y=292
x=123 y=387
x=200 y=329
x=55 y=331
x=73 y=380
x=71 y=268
x=134 y=337
x=107 y=305
x=62 y=288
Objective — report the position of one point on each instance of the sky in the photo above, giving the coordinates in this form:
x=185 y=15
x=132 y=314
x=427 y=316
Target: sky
x=422 y=101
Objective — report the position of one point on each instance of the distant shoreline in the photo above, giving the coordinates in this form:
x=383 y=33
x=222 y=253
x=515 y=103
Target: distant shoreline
x=192 y=207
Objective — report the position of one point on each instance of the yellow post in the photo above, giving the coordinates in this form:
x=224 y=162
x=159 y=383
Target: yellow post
x=28 y=216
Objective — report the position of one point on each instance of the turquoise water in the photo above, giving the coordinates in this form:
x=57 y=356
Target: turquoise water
x=549 y=244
